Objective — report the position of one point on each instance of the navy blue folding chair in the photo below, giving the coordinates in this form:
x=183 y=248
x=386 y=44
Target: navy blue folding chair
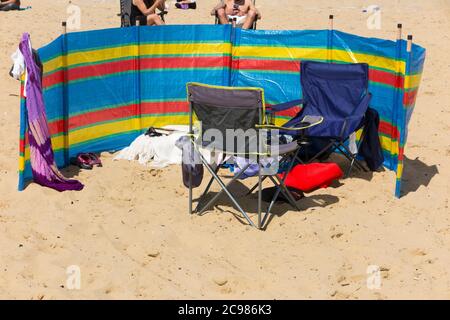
x=338 y=93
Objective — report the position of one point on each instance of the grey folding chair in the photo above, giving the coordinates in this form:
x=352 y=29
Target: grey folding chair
x=232 y=114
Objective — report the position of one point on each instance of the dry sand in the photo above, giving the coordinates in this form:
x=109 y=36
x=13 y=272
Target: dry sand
x=131 y=236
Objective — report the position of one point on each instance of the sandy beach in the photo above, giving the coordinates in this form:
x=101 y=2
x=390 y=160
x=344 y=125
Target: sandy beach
x=129 y=230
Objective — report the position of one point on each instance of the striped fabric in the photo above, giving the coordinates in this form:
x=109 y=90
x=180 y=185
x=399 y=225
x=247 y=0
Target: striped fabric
x=271 y=60
x=103 y=88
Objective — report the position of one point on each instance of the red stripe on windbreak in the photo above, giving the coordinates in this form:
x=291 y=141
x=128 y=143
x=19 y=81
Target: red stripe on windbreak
x=101 y=69
x=401 y=152
x=103 y=115
x=127 y=111
x=53 y=79
x=22 y=145
x=56 y=127
x=292 y=112
x=97 y=70
x=185 y=62
x=164 y=107
x=386 y=78
x=274 y=65
x=294 y=66
x=409 y=98
x=388 y=129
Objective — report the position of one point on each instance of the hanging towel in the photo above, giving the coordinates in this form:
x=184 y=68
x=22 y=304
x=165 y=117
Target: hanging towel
x=370 y=148
x=43 y=166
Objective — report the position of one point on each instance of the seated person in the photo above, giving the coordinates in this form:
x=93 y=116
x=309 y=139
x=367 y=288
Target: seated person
x=243 y=11
x=7 y=5
x=147 y=9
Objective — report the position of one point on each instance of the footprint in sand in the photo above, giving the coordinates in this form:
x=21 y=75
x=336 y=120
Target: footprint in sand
x=418 y=252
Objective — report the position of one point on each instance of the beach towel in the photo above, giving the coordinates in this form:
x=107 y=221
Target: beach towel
x=43 y=166
x=157 y=152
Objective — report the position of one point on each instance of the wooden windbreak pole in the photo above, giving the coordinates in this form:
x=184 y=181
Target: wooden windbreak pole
x=64 y=27
x=399 y=31
x=330 y=38
x=65 y=94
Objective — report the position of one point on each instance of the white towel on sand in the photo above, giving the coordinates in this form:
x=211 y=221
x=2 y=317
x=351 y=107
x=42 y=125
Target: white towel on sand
x=157 y=152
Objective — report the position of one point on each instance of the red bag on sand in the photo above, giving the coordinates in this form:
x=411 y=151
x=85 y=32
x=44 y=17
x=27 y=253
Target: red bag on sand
x=310 y=177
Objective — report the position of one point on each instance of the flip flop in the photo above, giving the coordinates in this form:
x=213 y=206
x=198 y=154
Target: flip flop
x=95 y=160
x=83 y=161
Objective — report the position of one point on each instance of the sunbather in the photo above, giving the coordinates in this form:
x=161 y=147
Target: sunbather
x=7 y=5
x=147 y=8
x=242 y=10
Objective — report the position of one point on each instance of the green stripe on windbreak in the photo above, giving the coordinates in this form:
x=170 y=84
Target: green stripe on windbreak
x=159 y=115
x=388 y=136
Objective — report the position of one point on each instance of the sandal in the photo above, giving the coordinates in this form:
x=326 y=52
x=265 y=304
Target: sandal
x=95 y=160
x=83 y=161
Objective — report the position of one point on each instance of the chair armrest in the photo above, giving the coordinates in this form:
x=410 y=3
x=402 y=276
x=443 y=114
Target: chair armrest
x=258 y=15
x=306 y=123
x=284 y=106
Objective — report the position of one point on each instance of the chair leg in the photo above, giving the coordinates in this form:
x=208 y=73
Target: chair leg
x=321 y=152
x=255 y=186
x=206 y=189
x=282 y=186
x=260 y=225
x=190 y=192
x=228 y=193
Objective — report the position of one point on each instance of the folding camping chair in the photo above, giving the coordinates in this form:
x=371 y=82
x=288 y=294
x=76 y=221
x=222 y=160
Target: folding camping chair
x=339 y=93
x=126 y=17
x=225 y=111
x=221 y=4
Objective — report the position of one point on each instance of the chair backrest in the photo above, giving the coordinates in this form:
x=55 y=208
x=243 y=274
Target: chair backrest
x=335 y=92
x=228 y=114
x=125 y=13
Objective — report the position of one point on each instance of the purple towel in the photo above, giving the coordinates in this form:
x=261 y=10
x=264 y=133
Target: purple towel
x=43 y=166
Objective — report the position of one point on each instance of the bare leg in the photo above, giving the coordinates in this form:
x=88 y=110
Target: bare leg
x=154 y=20
x=251 y=16
x=223 y=18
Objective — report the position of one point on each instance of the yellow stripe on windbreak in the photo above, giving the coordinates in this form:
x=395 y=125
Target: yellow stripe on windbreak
x=185 y=48
x=106 y=129
x=91 y=56
x=103 y=130
x=412 y=81
x=53 y=64
x=318 y=54
x=98 y=55
x=162 y=121
x=280 y=52
x=399 y=170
